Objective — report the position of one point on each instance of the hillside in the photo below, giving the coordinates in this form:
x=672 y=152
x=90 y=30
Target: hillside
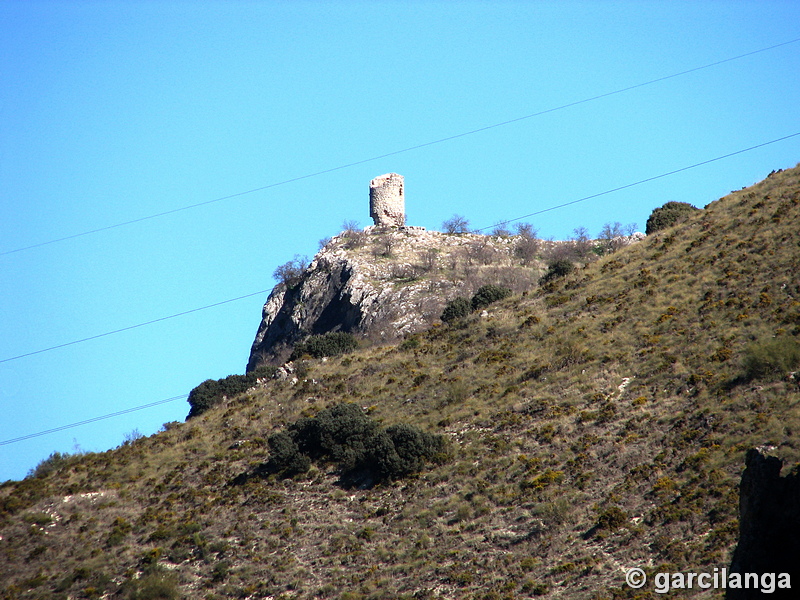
x=384 y=283
x=596 y=423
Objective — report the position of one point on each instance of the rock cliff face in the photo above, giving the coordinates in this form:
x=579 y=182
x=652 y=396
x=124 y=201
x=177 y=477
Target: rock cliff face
x=386 y=282
x=769 y=525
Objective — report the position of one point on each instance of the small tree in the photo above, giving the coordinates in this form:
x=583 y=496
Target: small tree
x=488 y=294
x=668 y=215
x=351 y=226
x=456 y=224
x=610 y=235
x=526 y=230
x=527 y=247
x=501 y=230
x=290 y=272
x=582 y=242
x=457 y=308
x=557 y=268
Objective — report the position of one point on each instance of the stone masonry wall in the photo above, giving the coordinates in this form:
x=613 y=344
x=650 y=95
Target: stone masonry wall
x=387 y=200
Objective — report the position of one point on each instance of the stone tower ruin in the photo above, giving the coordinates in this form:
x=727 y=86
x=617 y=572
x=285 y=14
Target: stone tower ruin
x=387 y=205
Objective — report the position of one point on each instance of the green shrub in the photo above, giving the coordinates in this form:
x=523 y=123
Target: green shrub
x=457 y=308
x=364 y=452
x=120 y=529
x=612 y=518
x=558 y=268
x=52 y=463
x=413 y=447
x=667 y=215
x=328 y=344
x=286 y=458
x=488 y=294
x=771 y=359
x=211 y=392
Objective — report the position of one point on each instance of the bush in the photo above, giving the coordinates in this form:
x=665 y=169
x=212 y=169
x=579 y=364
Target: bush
x=327 y=344
x=612 y=518
x=456 y=224
x=456 y=309
x=667 y=215
x=363 y=451
x=212 y=391
x=488 y=294
x=557 y=268
x=771 y=359
x=52 y=463
x=290 y=272
x=286 y=458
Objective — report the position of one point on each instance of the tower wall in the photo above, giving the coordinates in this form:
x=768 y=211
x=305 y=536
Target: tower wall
x=387 y=200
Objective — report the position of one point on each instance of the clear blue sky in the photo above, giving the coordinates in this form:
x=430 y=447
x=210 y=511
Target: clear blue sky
x=113 y=111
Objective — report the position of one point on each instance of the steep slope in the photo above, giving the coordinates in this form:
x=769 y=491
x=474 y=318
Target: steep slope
x=386 y=282
x=598 y=423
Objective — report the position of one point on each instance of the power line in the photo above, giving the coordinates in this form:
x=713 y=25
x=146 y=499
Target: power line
x=99 y=335
x=641 y=181
x=538 y=212
x=184 y=396
x=403 y=150
x=94 y=419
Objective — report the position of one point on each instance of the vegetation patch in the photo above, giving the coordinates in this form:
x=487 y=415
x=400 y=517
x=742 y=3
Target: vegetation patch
x=668 y=215
x=488 y=294
x=460 y=307
x=212 y=391
x=557 y=268
x=327 y=344
x=771 y=359
x=364 y=452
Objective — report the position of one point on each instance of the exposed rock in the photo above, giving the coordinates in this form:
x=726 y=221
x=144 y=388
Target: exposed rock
x=769 y=525
x=384 y=282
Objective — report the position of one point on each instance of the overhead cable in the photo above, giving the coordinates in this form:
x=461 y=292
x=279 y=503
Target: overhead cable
x=128 y=328
x=640 y=182
x=94 y=419
x=538 y=212
x=401 y=151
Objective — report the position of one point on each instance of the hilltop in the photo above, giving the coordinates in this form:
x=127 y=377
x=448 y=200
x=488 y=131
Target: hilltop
x=596 y=422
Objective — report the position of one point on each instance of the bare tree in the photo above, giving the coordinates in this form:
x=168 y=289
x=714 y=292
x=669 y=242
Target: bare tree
x=610 y=236
x=581 y=242
x=526 y=230
x=290 y=272
x=430 y=259
x=629 y=229
x=528 y=246
x=456 y=224
x=350 y=226
x=501 y=230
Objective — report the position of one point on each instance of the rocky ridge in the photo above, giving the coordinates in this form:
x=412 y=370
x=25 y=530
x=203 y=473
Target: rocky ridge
x=387 y=282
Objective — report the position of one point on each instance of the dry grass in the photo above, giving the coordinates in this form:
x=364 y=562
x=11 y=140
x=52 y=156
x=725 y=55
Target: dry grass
x=618 y=387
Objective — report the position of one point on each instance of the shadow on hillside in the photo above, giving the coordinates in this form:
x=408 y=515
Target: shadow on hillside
x=363 y=479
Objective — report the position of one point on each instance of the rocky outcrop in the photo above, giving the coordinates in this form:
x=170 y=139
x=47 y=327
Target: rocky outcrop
x=385 y=282
x=769 y=525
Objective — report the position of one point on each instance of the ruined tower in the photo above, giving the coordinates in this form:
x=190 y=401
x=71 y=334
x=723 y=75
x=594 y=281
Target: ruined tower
x=387 y=200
